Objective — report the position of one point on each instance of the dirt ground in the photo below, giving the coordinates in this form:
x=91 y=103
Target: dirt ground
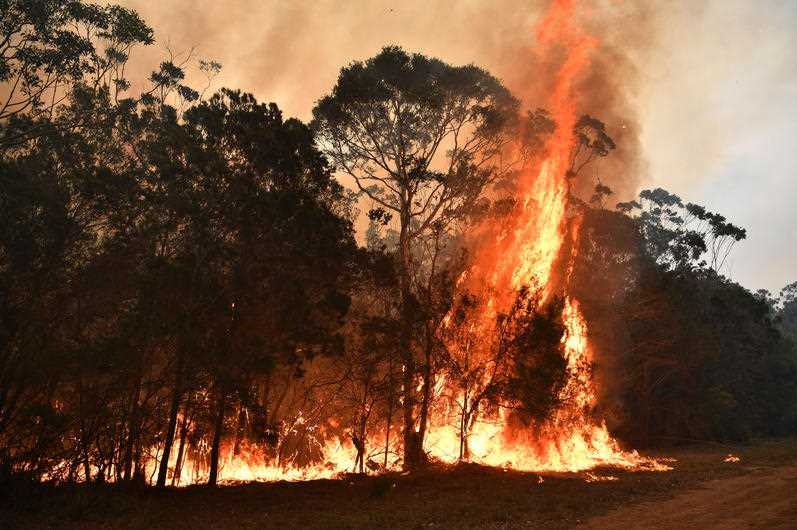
x=703 y=491
x=764 y=498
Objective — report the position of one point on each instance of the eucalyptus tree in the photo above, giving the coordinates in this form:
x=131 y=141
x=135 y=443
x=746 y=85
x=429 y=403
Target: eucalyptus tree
x=270 y=245
x=63 y=186
x=422 y=140
x=682 y=235
x=49 y=49
x=787 y=310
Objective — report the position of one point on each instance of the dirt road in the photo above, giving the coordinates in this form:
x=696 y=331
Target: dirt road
x=765 y=498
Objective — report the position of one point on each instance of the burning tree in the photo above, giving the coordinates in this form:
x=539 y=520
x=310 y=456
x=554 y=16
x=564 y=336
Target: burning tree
x=421 y=139
x=522 y=367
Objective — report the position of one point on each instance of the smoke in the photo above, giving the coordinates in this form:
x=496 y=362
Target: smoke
x=611 y=89
x=291 y=53
x=608 y=89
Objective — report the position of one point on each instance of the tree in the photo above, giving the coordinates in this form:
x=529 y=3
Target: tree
x=421 y=139
x=682 y=353
x=49 y=50
x=142 y=245
x=522 y=367
x=368 y=372
x=787 y=310
x=682 y=235
x=271 y=227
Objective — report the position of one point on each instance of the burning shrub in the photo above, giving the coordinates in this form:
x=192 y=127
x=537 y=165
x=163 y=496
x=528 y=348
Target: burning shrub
x=538 y=368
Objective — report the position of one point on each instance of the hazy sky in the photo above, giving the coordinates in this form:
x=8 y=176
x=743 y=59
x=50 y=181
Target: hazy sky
x=719 y=118
x=713 y=85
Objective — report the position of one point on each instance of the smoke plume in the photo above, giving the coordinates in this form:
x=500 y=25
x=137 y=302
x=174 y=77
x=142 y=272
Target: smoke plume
x=291 y=53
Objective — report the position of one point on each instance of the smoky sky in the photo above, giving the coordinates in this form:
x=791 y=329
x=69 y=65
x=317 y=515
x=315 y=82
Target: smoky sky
x=700 y=96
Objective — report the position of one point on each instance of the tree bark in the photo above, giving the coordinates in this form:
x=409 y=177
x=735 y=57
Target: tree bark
x=177 y=395
x=413 y=444
x=389 y=409
x=463 y=427
x=132 y=430
x=214 y=449
x=84 y=443
x=427 y=386
x=178 y=465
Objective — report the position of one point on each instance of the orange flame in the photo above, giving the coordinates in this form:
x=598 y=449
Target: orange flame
x=522 y=253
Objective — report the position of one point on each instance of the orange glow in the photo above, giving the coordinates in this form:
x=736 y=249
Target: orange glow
x=524 y=251
x=249 y=465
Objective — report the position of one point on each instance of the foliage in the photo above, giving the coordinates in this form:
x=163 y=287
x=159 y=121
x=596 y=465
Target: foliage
x=682 y=235
x=179 y=274
x=786 y=312
x=683 y=353
x=532 y=337
x=422 y=140
x=154 y=263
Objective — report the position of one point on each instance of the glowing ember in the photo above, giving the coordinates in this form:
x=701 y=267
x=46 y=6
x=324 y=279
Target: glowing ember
x=592 y=477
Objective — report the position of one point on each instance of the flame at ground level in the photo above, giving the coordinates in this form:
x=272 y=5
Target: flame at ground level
x=578 y=450
x=570 y=442
x=521 y=252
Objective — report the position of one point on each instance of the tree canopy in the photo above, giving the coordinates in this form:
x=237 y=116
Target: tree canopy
x=422 y=140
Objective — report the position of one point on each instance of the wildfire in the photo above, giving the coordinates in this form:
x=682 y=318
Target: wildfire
x=249 y=465
x=522 y=252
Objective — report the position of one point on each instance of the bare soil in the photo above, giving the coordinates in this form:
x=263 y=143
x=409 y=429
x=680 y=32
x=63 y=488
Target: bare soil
x=762 y=498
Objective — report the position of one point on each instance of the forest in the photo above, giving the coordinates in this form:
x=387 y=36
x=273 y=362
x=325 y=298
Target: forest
x=196 y=288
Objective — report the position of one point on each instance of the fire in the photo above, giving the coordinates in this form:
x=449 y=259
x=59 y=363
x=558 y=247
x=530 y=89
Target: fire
x=249 y=465
x=524 y=254
x=524 y=251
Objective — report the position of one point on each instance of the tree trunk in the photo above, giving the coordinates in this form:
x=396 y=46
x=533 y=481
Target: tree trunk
x=214 y=450
x=413 y=445
x=178 y=465
x=389 y=409
x=463 y=422
x=359 y=446
x=177 y=395
x=84 y=443
x=115 y=457
x=132 y=430
x=426 y=392
x=86 y=465
x=139 y=475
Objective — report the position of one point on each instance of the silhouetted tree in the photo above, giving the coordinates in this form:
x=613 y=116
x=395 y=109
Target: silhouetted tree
x=681 y=352
x=421 y=139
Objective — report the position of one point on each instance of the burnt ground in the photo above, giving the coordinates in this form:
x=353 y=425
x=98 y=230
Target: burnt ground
x=702 y=491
